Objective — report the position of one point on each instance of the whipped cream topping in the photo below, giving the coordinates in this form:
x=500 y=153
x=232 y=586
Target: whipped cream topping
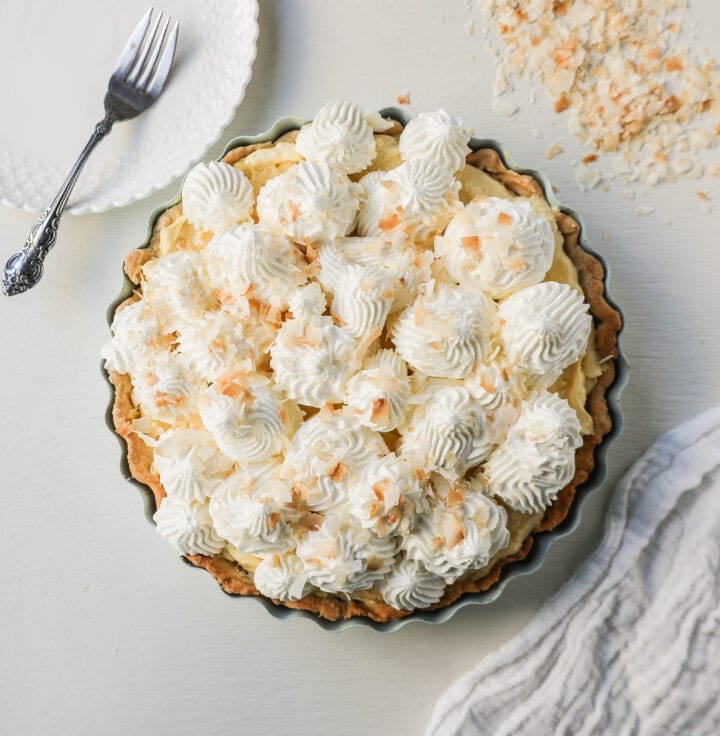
x=537 y=459
x=188 y=527
x=310 y=203
x=462 y=532
x=251 y=522
x=174 y=289
x=247 y=260
x=405 y=267
x=328 y=453
x=215 y=344
x=380 y=393
x=166 y=389
x=190 y=464
x=282 y=577
x=341 y=557
x=449 y=434
x=389 y=495
x=312 y=358
x=417 y=198
x=409 y=586
x=216 y=196
x=437 y=136
x=248 y=420
x=362 y=300
x=497 y=245
x=136 y=339
x=545 y=328
x=445 y=333
x=339 y=136
x=360 y=445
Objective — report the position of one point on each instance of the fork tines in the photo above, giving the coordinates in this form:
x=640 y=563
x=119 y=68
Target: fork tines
x=148 y=55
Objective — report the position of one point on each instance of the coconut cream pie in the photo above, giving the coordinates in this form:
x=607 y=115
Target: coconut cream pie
x=362 y=366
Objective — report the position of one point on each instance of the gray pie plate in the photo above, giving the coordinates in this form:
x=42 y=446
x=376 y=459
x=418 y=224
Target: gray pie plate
x=542 y=542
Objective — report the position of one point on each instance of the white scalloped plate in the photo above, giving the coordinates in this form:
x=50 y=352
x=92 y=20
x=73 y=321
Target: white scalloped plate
x=57 y=58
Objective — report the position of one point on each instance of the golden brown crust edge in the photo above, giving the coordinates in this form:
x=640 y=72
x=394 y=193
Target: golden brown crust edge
x=233 y=579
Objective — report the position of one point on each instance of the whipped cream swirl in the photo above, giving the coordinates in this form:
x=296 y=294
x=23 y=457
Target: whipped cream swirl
x=342 y=557
x=166 y=389
x=449 y=434
x=461 y=533
x=497 y=245
x=251 y=522
x=389 y=495
x=362 y=300
x=190 y=464
x=248 y=420
x=216 y=195
x=282 y=577
x=174 y=288
x=406 y=267
x=328 y=453
x=545 y=328
x=310 y=203
x=312 y=358
x=437 y=136
x=248 y=260
x=214 y=344
x=445 y=333
x=136 y=337
x=188 y=527
x=339 y=136
x=537 y=459
x=379 y=394
x=409 y=586
x=417 y=198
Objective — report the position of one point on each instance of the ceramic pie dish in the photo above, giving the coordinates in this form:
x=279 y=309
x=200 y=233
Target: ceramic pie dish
x=561 y=514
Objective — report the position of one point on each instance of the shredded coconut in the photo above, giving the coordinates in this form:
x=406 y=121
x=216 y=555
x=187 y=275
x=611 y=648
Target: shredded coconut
x=624 y=74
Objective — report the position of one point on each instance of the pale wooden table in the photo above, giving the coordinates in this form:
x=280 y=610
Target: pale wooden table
x=103 y=630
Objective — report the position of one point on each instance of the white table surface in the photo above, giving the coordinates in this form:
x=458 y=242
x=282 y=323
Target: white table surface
x=102 y=629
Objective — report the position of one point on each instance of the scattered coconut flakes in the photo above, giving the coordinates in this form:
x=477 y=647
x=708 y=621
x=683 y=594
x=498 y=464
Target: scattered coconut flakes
x=403 y=98
x=715 y=171
x=606 y=234
x=641 y=210
x=554 y=150
x=536 y=133
x=622 y=74
x=470 y=28
x=502 y=107
x=587 y=177
x=531 y=96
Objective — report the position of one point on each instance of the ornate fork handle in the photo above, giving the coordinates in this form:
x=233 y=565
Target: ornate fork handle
x=24 y=268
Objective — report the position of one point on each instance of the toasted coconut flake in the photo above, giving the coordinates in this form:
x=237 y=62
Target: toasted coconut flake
x=389 y=221
x=163 y=399
x=452 y=530
x=504 y=219
x=470 y=242
x=380 y=411
x=403 y=98
x=338 y=472
x=418 y=311
x=554 y=150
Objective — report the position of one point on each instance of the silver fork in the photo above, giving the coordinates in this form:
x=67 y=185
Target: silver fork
x=136 y=82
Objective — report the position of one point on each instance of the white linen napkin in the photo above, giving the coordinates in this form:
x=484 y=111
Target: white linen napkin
x=631 y=645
